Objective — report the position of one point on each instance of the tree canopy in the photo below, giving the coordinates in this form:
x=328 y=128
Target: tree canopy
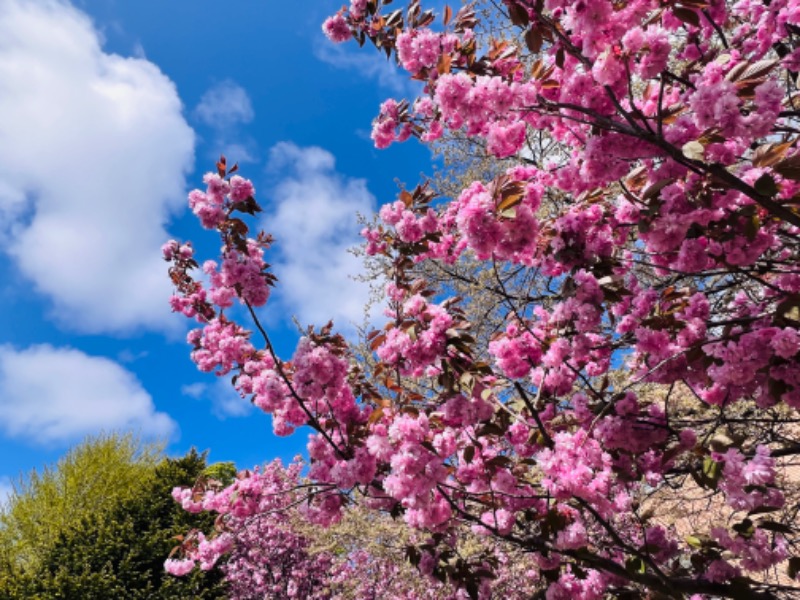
x=631 y=237
x=100 y=524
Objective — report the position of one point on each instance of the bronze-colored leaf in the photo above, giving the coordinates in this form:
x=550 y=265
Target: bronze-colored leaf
x=767 y=155
x=519 y=16
x=377 y=341
x=686 y=15
x=375 y=416
x=751 y=227
x=636 y=178
x=394 y=19
x=560 y=58
x=509 y=201
x=788 y=167
x=448 y=14
x=653 y=190
x=443 y=66
x=426 y=19
x=759 y=69
x=533 y=39
x=469 y=453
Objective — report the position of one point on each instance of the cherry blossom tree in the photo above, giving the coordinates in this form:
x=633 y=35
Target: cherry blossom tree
x=273 y=550
x=644 y=275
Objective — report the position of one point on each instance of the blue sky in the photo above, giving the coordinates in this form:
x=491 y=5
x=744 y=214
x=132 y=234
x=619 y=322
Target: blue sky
x=110 y=111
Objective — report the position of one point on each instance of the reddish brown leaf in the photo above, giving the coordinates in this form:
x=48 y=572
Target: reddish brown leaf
x=519 y=16
x=443 y=66
x=686 y=15
x=533 y=39
x=767 y=155
x=789 y=167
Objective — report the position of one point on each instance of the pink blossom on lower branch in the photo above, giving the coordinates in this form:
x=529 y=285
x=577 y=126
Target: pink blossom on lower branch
x=179 y=568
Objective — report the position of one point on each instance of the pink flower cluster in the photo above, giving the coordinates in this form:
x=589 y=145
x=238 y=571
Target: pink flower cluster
x=507 y=235
x=242 y=274
x=409 y=227
x=336 y=29
x=213 y=205
x=220 y=345
x=748 y=485
x=577 y=466
x=421 y=49
x=420 y=341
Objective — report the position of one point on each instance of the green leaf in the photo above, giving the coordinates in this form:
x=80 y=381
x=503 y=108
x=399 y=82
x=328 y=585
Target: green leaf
x=634 y=564
x=751 y=227
x=694 y=541
x=711 y=468
x=745 y=528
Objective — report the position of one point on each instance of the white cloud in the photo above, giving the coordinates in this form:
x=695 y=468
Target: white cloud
x=92 y=161
x=372 y=65
x=58 y=395
x=225 y=400
x=129 y=356
x=224 y=105
x=224 y=108
x=194 y=390
x=313 y=216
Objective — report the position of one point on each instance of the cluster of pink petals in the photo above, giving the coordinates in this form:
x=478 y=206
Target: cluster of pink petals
x=211 y=206
x=337 y=29
x=577 y=466
x=220 y=345
x=419 y=345
x=241 y=274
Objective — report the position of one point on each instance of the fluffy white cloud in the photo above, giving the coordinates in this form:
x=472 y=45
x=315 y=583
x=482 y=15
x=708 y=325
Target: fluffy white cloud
x=194 y=390
x=371 y=65
x=224 y=108
x=225 y=400
x=313 y=216
x=58 y=395
x=92 y=162
x=225 y=104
